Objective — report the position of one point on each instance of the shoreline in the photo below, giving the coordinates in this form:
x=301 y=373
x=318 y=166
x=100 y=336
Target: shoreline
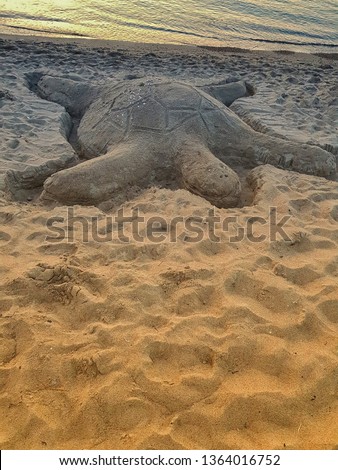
x=111 y=44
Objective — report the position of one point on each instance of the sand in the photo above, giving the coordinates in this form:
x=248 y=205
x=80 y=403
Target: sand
x=215 y=344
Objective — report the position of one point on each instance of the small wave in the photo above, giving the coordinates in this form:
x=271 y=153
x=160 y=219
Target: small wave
x=59 y=33
x=294 y=43
x=167 y=30
x=24 y=16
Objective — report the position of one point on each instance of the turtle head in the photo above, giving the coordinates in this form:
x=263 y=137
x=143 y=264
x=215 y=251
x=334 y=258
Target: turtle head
x=220 y=185
x=207 y=176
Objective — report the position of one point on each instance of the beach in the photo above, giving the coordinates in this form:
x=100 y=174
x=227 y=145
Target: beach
x=112 y=341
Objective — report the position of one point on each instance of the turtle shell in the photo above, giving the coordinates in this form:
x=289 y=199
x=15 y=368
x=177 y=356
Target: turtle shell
x=154 y=107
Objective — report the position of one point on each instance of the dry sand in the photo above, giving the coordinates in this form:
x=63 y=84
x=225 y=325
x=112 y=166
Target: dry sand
x=144 y=345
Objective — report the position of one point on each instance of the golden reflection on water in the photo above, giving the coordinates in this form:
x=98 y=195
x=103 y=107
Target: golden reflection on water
x=104 y=19
x=183 y=22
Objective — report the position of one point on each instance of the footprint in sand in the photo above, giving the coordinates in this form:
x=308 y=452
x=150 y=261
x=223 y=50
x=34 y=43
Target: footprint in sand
x=329 y=313
x=4 y=237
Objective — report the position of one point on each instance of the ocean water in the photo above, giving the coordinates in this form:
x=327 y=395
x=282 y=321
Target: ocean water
x=301 y=25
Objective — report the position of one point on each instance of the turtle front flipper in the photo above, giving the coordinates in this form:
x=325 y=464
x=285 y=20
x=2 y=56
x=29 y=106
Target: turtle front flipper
x=203 y=174
x=102 y=178
x=288 y=155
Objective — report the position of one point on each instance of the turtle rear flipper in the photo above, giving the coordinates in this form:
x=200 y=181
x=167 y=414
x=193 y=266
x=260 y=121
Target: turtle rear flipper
x=205 y=175
x=229 y=92
x=75 y=96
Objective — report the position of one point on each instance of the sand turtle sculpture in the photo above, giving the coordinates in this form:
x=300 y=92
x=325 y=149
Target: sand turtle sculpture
x=140 y=132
